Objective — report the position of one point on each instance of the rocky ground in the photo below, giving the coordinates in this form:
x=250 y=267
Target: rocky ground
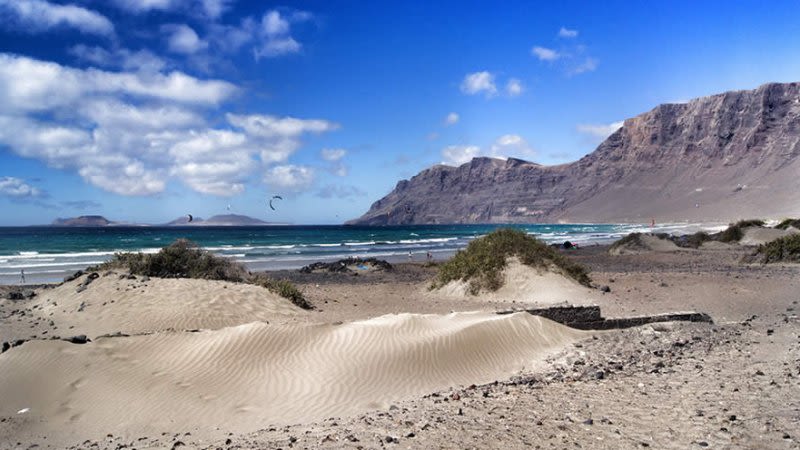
x=733 y=384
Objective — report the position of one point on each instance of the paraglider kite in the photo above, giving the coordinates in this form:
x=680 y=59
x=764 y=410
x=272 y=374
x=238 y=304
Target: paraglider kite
x=274 y=197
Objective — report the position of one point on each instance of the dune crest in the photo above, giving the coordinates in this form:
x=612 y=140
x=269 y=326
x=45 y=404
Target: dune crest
x=246 y=377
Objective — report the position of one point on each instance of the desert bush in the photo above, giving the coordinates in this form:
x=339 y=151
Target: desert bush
x=735 y=231
x=284 y=288
x=633 y=239
x=481 y=264
x=785 y=249
x=692 y=240
x=786 y=223
x=181 y=259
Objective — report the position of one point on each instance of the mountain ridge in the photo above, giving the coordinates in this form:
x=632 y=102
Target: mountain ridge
x=714 y=158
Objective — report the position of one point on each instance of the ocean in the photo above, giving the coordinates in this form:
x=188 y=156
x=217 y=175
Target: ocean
x=48 y=254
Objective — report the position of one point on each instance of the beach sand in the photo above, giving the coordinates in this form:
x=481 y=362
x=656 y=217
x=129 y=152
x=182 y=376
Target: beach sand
x=385 y=362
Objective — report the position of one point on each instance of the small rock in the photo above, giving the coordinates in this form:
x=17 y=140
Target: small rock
x=391 y=440
x=79 y=339
x=703 y=444
x=588 y=422
x=605 y=288
x=73 y=276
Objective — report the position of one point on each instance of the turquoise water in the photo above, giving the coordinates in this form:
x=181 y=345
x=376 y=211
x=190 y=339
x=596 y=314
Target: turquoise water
x=48 y=253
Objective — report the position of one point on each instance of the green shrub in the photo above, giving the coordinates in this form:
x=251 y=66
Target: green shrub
x=181 y=259
x=785 y=249
x=481 y=264
x=633 y=239
x=735 y=232
x=692 y=240
x=284 y=288
x=786 y=223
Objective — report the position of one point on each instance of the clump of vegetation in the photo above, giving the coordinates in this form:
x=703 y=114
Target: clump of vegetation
x=181 y=259
x=185 y=259
x=481 y=264
x=785 y=249
x=735 y=231
x=631 y=240
x=692 y=240
x=786 y=223
x=284 y=288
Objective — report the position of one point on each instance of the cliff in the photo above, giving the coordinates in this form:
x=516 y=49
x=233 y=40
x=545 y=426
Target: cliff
x=716 y=158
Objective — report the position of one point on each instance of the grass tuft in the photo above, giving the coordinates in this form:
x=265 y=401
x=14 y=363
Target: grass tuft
x=786 y=223
x=785 y=249
x=185 y=259
x=481 y=264
x=735 y=231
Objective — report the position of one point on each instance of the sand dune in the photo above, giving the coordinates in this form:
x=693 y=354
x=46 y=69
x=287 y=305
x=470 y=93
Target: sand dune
x=110 y=304
x=249 y=376
x=759 y=235
x=525 y=284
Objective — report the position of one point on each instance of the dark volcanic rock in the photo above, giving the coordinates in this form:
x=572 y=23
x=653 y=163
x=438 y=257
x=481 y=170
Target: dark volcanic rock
x=721 y=157
x=342 y=265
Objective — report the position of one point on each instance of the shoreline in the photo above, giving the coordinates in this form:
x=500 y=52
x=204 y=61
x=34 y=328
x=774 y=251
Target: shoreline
x=608 y=389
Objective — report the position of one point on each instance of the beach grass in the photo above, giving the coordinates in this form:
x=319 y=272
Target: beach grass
x=786 y=223
x=481 y=264
x=735 y=231
x=785 y=249
x=185 y=259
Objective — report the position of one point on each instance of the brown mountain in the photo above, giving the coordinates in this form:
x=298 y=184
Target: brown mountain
x=717 y=158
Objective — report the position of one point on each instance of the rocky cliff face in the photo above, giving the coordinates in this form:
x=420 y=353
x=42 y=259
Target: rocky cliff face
x=716 y=158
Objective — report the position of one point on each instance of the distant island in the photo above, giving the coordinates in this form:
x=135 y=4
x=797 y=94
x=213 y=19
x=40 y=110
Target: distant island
x=222 y=220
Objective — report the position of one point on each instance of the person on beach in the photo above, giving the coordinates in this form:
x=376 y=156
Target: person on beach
x=410 y=256
x=22 y=276
x=429 y=256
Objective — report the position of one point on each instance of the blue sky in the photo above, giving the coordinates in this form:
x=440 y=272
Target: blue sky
x=146 y=110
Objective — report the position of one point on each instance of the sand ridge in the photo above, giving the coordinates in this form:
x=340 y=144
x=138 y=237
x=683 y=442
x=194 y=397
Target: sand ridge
x=111 y=304
x=529 y=285
x=244 y=377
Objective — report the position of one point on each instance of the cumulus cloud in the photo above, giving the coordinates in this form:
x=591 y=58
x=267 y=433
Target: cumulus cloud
x=17 y=188
x=588 y=65
x=479 y=82
x=39 y=16
x=275 y=34
x=572 y=56
x=598 y=133
x=290 y=178
x=142 y=6
x=511 y=145
x=129 y=133
x=514 y=87
x=456 y=155
x=506 y=146
x=183 y=39
x=545 y=54
x=567 y=33
x=119 y=58
x=333 y=154
x=451 y=119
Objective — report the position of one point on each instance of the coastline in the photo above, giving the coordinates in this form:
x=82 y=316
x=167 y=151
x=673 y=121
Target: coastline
x=656 y=379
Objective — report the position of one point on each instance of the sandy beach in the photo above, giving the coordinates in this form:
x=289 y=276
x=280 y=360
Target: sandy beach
x=383 y=361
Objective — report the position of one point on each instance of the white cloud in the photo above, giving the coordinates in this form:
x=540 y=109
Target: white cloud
x=545 y=54
x=333 y=154
x=451 y=119
x=130 y=133
x=17 y=188
x=514 y=87
x=599 y=133
x=290 y=178
x=122 y=58
x=275 y=34
x=567 y=33
x=588 y=65
x=511 y=146
x=506 y=146
x=215 y=8
x=475 y=83
x=142 y=6
x=456 y=155
x=183 y=39
x=41 y=15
